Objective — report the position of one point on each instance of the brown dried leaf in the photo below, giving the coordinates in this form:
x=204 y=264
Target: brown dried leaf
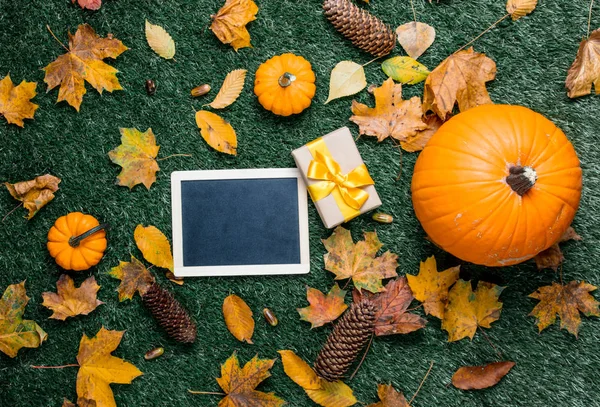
x=553 y=257
x=15 y=104
x=418 y=141
x=461 y=79
x=229 y=24
x=137 y=157
x=481 y=377
x=389 y=397
x=566 y=301
x=520 y=8
x=238 y=318
x=90 y=5
x=134 y=277
x=415 y=38
x=323 y=308
x=34 y=194
x=392 y=305
x=391 y=116
x=69 y=301
x=585 y=70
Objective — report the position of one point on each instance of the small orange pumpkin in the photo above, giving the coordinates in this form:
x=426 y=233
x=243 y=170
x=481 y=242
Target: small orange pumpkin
x=77 y=241
x=496 y=185
x=285 y=84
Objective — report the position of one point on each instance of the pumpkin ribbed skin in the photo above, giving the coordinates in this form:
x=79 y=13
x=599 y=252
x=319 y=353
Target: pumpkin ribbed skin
x=90 y=250
x=285 y=100
x=461 y=196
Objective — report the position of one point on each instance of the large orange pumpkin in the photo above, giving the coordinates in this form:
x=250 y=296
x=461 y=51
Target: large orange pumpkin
x=496 y=185
x=285 y=84
x=77 y=241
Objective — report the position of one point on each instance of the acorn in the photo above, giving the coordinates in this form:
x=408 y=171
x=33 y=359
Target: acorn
x=150 y=87
x=200 y=90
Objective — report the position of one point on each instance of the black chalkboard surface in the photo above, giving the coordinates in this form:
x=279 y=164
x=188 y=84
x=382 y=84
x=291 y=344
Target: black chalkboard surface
x=238 y=222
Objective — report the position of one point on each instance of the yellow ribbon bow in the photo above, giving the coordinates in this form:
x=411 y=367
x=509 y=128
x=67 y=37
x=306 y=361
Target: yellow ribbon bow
x=326 y=169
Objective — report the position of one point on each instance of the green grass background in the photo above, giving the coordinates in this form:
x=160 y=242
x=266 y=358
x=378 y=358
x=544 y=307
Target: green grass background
x=532 y=56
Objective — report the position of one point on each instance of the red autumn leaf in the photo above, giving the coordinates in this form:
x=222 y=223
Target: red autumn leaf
x=480 y=377
x=323 y=308
x=89 y=4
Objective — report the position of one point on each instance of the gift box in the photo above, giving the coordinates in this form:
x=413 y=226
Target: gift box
x=336 y=177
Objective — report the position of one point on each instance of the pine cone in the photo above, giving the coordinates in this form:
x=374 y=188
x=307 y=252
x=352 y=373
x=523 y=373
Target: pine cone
x=345 y=342
x=170 y=314
x=365 y=30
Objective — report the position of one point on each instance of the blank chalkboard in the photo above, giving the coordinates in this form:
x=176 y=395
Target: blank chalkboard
x=240 y=222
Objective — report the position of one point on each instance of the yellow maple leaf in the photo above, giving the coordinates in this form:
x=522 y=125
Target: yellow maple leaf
x=391 y=116
x=585 y=70
x=134 y=277
x=322 y=392
x=15 y=104
x=98 y=368
x=35 y=193
x=566 y=301
x=83 y=62
x=431 y=287
x=229 y=24
x=69 y=301
x=323 y=308
x=461 y=79
x=358 y=261
x=16 y=332
x=466 y=310
x=238 y=318
x=217 y=132
x=137 y=156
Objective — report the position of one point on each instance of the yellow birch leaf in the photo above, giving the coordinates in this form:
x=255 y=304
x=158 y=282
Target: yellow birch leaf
x=347 y=78
x=154 y=245
x=230 y=89
x=160 y=41
x=137 y=157
x=405 y=70
x=98 y=368
x=299 y=371
x=238 y=318
x=217 y=132
x=69 y=301
x=520 y=8
x=415 y=38
x=15 y=104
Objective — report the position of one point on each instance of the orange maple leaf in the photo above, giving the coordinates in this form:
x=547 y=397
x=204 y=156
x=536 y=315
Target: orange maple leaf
x=35 y=193
x=83 y=62
x=585 y=70
x=69 y=301
x=134 y=277
x=98 y=368
x=239 y=383
x=389 y=397
x=461 y=79
x=323 y=308
x=137 y=156
x=466 y=310
x=229 y=24
x=566 y=301
x=15 y=102
x=391 y=116
x=358 y=261
x=391 y=316
x=431 y=287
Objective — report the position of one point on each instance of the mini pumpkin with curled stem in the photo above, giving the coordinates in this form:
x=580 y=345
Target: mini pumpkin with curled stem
x=77 y=241
x=285 y=84
x=496 y=185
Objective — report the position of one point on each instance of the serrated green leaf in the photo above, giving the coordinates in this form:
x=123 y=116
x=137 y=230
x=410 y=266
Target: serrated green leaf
x=405 y=70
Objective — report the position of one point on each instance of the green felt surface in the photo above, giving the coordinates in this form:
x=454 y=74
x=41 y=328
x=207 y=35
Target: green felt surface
x=532 y=56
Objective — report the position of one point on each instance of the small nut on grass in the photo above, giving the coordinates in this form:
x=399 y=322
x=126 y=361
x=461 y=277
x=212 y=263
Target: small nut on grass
x=150 y=87
x=154 y=353
x=270 y=317
x=200 y=90
x=382 y=217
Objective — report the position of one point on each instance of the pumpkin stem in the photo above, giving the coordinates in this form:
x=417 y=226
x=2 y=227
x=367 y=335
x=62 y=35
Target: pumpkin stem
x=286 y=79
x=521 y=179
x=75 y=240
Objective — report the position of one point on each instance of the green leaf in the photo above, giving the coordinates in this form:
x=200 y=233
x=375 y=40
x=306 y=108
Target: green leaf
x=405 y=70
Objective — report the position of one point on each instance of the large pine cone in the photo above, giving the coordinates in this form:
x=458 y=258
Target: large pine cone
x=365 y=30
x=170 y=314
x=345 y=342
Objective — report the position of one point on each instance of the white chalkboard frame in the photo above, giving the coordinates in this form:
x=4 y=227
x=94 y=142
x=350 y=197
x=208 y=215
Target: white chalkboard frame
x=238 y=270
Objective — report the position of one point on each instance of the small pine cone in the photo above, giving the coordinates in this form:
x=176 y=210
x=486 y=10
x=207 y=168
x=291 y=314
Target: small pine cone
x=345 y=342
x=365 y=30
x=170 y=314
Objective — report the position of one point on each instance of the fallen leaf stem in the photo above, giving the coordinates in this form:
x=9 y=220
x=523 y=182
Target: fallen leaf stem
x=399 y=147
x=482 y=33
x=54 y=367
x=56 y=38
x=173 y=155
x=216 y=393
x=421 y=384
x=363 y=357
x=12 y=210
x=412 y=5
x=590 y=18
x=490 y=342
